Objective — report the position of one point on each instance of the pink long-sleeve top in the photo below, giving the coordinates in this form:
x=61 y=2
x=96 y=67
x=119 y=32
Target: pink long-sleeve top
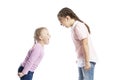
x=33 y=58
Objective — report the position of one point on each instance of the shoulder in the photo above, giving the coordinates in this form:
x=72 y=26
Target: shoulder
x=37 y=46
x=79 y=26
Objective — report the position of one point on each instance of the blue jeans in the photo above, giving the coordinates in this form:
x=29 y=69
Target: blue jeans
x=87 y=74
x=28 y=76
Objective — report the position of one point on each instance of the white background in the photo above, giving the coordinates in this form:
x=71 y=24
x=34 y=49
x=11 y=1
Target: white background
x=19 y=19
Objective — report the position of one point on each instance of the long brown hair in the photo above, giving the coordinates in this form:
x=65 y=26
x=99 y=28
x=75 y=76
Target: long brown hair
x=68 y=12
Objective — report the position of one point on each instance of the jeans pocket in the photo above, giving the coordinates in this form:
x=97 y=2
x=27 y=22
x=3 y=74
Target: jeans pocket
x=92 y=64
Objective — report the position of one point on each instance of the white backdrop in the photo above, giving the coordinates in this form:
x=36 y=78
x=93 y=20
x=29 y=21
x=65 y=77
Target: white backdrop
x=19 y=19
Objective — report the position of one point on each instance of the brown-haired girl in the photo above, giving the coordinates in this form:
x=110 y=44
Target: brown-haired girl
x=81 y=38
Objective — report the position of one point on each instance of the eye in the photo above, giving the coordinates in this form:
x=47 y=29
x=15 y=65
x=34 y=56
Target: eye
x=48 y=34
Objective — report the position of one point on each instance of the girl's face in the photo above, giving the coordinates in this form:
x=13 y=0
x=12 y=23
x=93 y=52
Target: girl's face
x=45 y=36
x=65 y=21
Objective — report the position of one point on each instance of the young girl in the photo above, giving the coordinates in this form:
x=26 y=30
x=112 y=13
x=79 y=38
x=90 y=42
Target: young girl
x=35 y=54
x=81 y=38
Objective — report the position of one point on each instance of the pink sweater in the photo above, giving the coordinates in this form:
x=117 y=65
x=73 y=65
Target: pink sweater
x=33 y=58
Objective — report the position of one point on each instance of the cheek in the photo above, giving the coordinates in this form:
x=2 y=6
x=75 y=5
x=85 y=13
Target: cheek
x=64 y=23
x=46 y=38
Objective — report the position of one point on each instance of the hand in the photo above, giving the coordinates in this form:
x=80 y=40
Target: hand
x=20 y=74
x=87 y=66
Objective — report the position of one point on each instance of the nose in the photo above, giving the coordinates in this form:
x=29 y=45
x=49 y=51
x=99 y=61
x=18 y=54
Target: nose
x=49 y=36
x=62 y=25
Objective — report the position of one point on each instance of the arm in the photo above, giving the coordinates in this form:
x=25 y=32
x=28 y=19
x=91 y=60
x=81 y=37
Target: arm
x=82 y=34
x=86 y=53
x=33 y=56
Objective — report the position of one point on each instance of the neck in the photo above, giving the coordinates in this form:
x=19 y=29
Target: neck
x=41 y=42
x=72 y=22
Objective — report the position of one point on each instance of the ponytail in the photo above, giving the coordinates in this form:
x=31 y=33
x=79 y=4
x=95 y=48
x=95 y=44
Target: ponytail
x=85 y=25
x=35 y=41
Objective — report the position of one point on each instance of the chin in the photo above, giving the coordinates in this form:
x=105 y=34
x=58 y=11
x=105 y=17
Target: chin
x=47 y=43
x=67 y=26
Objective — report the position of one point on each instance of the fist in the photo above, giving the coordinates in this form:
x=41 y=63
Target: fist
x=20 y=74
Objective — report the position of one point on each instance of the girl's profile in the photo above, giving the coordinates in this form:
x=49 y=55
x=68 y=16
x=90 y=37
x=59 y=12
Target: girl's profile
x=86 y=55
x=35 y=54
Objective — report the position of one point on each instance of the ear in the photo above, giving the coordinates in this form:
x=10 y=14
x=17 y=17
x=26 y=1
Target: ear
x=67 y=17
x=40 y=37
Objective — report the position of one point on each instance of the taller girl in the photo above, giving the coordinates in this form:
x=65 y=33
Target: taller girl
x=81 y=37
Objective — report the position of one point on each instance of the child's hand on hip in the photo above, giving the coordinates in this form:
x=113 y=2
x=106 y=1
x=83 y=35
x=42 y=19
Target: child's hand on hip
x=20 y=74
x=87 y=66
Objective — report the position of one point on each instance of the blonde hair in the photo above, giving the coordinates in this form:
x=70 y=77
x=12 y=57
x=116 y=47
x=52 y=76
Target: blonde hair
x=37 y=33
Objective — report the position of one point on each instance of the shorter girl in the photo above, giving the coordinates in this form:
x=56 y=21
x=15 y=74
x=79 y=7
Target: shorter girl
x=81 y=37
x=35 y=54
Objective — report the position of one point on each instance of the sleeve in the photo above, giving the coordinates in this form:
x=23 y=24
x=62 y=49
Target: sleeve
x=35 y=53
x=81 y=31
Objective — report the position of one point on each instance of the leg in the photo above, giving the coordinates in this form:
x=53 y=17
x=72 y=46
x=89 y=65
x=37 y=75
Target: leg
x=89 y=74
x=80 y=73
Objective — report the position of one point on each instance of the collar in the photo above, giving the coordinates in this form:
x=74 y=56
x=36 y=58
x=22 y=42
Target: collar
x=75 y=23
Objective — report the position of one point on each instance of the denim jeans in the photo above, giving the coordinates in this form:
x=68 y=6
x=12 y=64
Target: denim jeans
x=86 y=74
x=28 y=76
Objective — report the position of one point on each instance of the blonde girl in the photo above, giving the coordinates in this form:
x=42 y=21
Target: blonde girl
x=35 y=54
